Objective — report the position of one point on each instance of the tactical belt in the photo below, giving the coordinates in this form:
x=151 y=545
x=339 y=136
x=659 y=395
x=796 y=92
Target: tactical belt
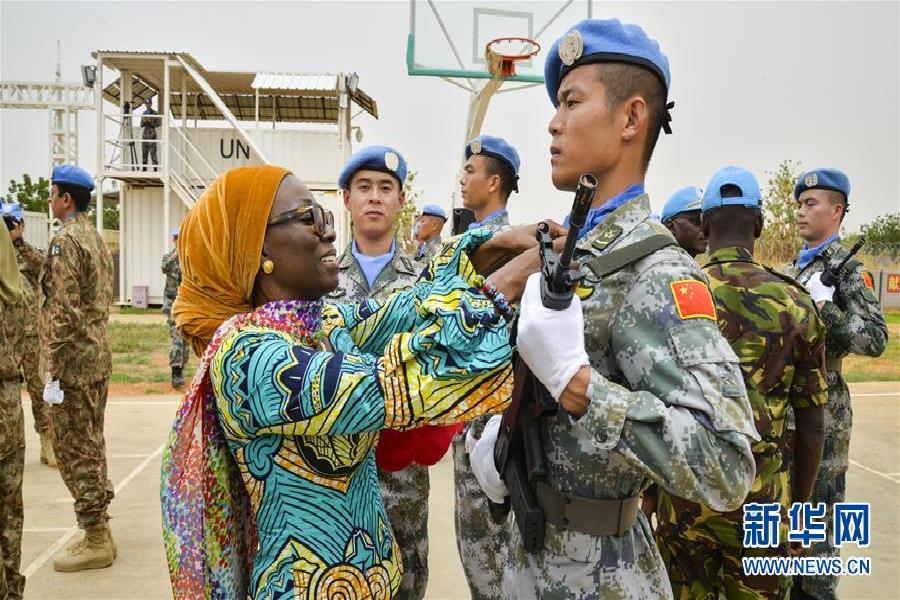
x=833 y=364
x=591 y=516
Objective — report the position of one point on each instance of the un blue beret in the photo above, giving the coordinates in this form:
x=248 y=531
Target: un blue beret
x=433 y=210
x=374 y=158
x=602 y=40
x=489 y=145
x=686 y=199
x=72 y=175
x=823 y=179
x=751 y=196
x=12 y=209
x=175 y=232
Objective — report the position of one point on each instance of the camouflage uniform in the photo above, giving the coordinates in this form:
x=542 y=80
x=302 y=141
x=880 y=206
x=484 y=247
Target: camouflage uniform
x=31 y=261
x=13 y=319
x=427 y=250
x=171 y=267
x=853 y=324
x=405 y=492
x=77 y=284
x=483 y=545
x=667 y=406
x=774 y=328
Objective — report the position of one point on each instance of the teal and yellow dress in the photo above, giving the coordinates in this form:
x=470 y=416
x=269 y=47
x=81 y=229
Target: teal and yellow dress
x=299 y=392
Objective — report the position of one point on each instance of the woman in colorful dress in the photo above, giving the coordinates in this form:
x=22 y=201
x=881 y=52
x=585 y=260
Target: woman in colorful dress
x=269 y=485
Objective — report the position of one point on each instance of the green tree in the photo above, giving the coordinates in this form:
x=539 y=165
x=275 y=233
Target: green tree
x=780 y=240
x=883 y=235
x=33 y=196
x=403 y=231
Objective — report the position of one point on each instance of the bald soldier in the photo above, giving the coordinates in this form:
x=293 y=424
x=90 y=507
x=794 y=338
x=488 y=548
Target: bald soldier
x=77 y=284
x=853 y=325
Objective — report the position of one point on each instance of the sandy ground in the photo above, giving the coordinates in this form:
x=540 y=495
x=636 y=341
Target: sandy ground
x=136 y=428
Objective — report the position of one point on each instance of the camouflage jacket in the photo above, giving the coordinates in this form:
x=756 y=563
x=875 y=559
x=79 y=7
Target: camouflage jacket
x=427 y=250
x=171 y=267
x=774 y=328
x=853 y=322
x=400 y=273
x=667 y=406
x=31 y=262
x=77 y=284
x=499 y=222
x=12 y=349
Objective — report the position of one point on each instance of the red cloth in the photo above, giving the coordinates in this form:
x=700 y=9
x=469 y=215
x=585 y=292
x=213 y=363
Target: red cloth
x=423 y=445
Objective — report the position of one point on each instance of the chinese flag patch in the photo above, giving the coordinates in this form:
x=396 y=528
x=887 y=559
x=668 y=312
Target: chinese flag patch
x=867 y=279
x=693 y=299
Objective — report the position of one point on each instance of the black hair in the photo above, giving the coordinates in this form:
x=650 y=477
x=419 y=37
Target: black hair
x=81 y=196
x=622 y=81
x=508 y=181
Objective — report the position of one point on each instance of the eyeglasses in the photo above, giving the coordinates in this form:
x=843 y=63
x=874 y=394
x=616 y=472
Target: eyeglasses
x=313 y=214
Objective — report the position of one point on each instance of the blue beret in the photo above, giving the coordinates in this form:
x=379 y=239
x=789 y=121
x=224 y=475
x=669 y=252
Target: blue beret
x=602 y=40
x=175 y=231
x=12 y=209
x=685 y=199
x=750 y=197
x=433 y=210
x=374 y=158
x=72 y=175
x=823 y=179
x=489 y=145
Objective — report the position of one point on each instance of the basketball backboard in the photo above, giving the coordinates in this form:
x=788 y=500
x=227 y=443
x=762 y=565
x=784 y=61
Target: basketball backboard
x=447 y=38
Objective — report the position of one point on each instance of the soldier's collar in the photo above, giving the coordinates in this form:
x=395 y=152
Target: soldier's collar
x=616 y=225
x=730 y=254
x=346 y=258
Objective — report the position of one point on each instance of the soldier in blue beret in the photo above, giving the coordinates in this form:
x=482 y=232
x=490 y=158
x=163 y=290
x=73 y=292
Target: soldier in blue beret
x=374 y=266
x=490 y=175
x=854 y=324
x=648 y=389
x=681 y=216
x=427 y=231
x=78 y=286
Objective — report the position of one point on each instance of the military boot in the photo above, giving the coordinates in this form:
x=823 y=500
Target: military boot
x=177 y=378
x=48 y=457
x=95 y=551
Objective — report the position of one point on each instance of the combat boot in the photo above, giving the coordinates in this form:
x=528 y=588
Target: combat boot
x=48 y=457
x=95 y=551
x=177 y=378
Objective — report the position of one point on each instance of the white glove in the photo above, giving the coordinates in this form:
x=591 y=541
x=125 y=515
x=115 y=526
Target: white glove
x=551 y=342
x=818 y=290
x=481 y=457
x=53 y=394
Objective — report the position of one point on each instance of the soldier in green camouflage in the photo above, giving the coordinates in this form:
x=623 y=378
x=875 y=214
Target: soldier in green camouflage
x=31 y=261
x=373 y=267
x=77 y=284
x=16 y=299
x=774 y=328
x=853 y=324
x=649 y=389
x=489 y=177
x=178 y=350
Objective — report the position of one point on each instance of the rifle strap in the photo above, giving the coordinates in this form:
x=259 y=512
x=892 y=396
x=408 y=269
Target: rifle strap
x=607 y=264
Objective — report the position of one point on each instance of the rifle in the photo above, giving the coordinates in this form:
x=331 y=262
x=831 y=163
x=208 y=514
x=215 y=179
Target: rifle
x=519 y=454
x=831 y=276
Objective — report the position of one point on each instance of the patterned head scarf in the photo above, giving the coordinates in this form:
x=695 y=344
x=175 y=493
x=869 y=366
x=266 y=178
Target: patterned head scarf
x=219 y=246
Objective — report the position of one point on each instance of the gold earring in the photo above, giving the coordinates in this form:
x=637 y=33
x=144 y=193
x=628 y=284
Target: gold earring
x=268 y=266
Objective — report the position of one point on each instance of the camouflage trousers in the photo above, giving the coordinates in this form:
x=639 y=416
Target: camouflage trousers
x=178 y=348
x=12 y=468
x=34 y=383
x=482 y=544
x=77 y=426
x=405 y=495
x=831 y=483
x=703 y=558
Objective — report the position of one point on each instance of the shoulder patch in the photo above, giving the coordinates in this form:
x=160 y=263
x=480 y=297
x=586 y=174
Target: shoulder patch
x=693 y=299
x=867 y=280
x=607 y=237
x=55 y=249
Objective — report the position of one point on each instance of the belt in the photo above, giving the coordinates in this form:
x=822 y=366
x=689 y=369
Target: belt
x=833 y=364
x=592 y=516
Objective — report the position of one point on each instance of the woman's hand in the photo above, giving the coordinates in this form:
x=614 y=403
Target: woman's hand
x=511 y=277
x=507 y=245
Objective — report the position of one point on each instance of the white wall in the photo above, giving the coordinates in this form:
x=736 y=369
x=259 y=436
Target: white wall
x=37 y=229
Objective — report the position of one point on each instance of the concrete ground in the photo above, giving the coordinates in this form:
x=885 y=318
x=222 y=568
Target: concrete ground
x=137 y=427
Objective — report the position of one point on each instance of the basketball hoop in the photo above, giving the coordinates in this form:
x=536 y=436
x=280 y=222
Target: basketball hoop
x=503 y=53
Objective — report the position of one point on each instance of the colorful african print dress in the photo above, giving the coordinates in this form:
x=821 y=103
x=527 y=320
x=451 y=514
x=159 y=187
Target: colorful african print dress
x=300 y=423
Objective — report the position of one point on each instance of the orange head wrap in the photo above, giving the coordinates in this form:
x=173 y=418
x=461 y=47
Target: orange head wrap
x=219 y=246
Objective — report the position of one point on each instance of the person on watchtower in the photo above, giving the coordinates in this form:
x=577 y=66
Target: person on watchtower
x=490 y=175
x=149 y=123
